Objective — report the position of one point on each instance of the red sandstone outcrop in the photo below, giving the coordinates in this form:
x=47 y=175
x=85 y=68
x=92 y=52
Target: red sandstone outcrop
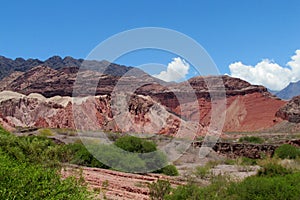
x=89 y=113
x=249 y=107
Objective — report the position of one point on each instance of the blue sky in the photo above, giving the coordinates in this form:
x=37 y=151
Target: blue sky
x=231 y=31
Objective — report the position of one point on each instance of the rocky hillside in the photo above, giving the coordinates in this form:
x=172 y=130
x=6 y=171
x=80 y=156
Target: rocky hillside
x=88 y=113
x=51 y=82
x=8 y=66
x=248 y=107
x=291 y=110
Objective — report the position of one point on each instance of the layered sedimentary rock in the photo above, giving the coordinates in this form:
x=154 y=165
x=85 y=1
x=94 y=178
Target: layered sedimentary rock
x=8 y=66
x=89 y=113
x=248 y=107
x=291 y=110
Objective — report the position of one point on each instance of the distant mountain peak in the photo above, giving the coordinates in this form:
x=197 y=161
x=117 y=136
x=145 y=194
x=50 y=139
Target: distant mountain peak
x=8 y=66
x=293 y=89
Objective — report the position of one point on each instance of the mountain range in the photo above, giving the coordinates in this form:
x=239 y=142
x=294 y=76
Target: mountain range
x=290 y=91
x=37 y=93
x=7 y=65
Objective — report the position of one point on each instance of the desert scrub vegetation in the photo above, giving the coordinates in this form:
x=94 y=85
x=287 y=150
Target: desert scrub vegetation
x=27 y=170
x=253 y=187
x=273 y=181
x=159 y=189
x=287 y=151
x=77 y=153
x=33 y=149
x=252 y=139
x=45 y=132
x=240 y=161
x=169 y=170
x=135 y=144
x=65 y=131
x=22 y=180
x=145 y=156
x=40 y=149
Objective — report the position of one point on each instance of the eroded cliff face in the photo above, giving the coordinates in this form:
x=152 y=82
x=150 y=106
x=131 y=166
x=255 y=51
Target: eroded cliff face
x=290 y=111
x=90 y=113
x=248 y=107
x=51 y=82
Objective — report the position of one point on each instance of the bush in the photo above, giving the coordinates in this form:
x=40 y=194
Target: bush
x=253 y=187
x=248 y=161
x=135 y=144
x=117 y=159
x=202 y=171
x=21 y=180
x=189 y=191
x=251 y=139
x=146 y=151
x=45 y=132
x=169 y=170
x=25 y=171
x=35 y=149
x=279 y=187
x=272 y=169
x=159 y=189
x=287 y=151
x=78 y=154
x=110 y=156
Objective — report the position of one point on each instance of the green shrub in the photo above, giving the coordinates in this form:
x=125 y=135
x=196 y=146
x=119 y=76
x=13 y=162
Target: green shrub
x=135 y=144
x=187 y=192
x=45 y=132
x=248 y=161
x=279 y=187
x=118 y=159
x=78 y=154
x=169 y=170
x=65 y=131
x=22 y=180
x=287 y=151
x=159 y=189
x=253 y=187
x=272 y=169
x=25 y=171
x=251 y=139
x=154 y=160
x=3 y=131
x=229 y=161
x=145 y=150
x=202 y=171
x=35 y=149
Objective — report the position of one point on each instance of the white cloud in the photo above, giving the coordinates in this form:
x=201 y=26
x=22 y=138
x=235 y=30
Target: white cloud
x=268 y=73
x=176 y=70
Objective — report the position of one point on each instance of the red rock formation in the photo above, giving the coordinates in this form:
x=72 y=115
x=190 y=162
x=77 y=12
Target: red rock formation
x=291 y=110
x=88 y=113
x=252 y=112
x=249 y=107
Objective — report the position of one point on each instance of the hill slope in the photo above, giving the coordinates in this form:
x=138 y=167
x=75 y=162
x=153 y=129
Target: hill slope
x=8 y=66
x=248 y=107
x=293 y=89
